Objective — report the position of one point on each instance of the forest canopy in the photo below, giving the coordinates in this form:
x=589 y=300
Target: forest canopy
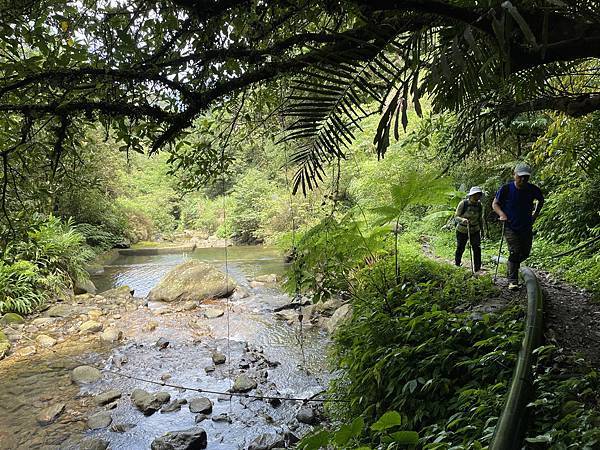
x=146 y=70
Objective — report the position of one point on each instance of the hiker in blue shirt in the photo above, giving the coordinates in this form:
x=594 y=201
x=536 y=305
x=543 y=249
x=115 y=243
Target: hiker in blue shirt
x=514 y=204
x=469 y=226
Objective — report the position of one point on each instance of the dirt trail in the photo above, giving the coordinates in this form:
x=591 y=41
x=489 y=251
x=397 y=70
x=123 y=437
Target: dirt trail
x=571 y=316
x=571 y=319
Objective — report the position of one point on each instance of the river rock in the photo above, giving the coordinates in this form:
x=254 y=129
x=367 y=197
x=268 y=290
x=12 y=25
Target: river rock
x=151 y=325
x=201 y=405
x=223 y=417
x=84 y=287
x=85 y=374
x=270 y=278
x=192 y=281
x=4 y=348
x=111 y=335
x=162 y=343
x=287 y=315
x=200 y=418
x=190 y=439
x=94 y=269
x=107 y=397
x=306 y=415
x=43 y=321
x=340 y=315
x=12 y=319
x=329 y=307
x=173 y=406
x=118 y=294
x=240 y=293
x=26 y=351
x=186 y=306
x=212 y=313
x=267 y=441
x=50 y=414
x=94 y=444
x=218 y=358
x=121 y=427
x=95 y=314
x=147 y=402
x=243 y=383
x=90 y=326
x=99 y=420
x=62 y=311
x=45 y=341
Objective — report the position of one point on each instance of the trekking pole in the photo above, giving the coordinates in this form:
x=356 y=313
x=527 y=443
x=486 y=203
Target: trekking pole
x=499 y=251
x=470 y=248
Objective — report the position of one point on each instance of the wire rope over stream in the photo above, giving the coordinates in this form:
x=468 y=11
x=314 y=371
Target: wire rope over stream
x=511 y=425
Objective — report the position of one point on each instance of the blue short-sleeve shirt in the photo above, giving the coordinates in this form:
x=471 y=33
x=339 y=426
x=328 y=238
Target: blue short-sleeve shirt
x=518 y=204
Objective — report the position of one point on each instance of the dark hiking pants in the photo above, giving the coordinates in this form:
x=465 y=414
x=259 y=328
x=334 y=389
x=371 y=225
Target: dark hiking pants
x=519 y=248
x=461 y=243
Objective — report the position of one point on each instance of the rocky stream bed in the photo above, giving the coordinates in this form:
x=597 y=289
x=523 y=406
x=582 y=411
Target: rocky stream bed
x=113 y=370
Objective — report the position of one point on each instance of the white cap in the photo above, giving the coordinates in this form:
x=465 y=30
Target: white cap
x=475 y=190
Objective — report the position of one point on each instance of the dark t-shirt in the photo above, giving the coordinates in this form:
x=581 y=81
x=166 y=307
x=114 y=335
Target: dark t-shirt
x=518 y=204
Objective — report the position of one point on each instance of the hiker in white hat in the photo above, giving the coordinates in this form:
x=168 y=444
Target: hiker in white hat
x=469 y=227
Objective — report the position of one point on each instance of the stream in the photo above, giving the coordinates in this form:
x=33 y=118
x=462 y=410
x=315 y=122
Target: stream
x=284 y=359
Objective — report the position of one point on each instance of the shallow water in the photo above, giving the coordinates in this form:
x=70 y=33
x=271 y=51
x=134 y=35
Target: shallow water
x=250 y=323
x=141 y=273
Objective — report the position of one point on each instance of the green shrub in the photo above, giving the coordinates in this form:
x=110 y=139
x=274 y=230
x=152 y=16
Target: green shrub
x=33 y=270
x=408 y=348
x=251 y=198
x=21 y=287
x=327 y=255
x=97 y=236
x=57 y=248
x=565 y=411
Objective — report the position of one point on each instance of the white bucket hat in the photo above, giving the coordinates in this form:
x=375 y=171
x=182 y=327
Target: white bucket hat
x=475 y=190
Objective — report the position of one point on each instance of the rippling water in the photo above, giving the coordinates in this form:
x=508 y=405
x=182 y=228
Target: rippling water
x=141 y=273
x=44 y=379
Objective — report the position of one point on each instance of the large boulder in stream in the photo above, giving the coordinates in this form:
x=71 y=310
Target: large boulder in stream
x=191 y=439
x=193 y=280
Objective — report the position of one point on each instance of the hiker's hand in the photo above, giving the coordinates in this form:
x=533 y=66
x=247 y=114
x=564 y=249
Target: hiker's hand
x=503 y=217
x=465 y=221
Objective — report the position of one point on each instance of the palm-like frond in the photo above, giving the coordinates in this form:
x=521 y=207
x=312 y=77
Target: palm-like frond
x=329 y=101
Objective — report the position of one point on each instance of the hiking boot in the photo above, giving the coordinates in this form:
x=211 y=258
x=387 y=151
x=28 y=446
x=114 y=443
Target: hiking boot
x=513 y=286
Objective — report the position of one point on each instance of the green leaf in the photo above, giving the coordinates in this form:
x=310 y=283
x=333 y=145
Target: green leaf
x=343 y=435
x=357 y=426
x=315 y=441
x=405 y=437
x=388 y=420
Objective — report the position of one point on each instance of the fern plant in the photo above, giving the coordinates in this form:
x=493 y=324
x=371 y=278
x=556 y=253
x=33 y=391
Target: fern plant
x=21 y=287
x=416 y=188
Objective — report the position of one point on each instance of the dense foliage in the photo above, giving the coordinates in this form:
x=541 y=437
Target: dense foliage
x=42 y=265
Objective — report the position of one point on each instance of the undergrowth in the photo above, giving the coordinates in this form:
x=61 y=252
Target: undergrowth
x=40 y=266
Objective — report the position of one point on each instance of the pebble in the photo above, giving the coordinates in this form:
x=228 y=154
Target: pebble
x=99 y=420
x=201 y=405
x=45 y=341
x=218 y=358
x=50 y=414
x=223 y=417
x=107 y=397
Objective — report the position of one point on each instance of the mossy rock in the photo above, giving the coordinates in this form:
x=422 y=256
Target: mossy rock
x=4 y=345
x=193 y=280
x=12 y=319
x=3 y=337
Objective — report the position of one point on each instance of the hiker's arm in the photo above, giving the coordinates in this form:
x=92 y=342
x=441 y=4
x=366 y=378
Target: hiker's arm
x=483 y=223
x=538 y=207
x=496 y=207
x=457 y=214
